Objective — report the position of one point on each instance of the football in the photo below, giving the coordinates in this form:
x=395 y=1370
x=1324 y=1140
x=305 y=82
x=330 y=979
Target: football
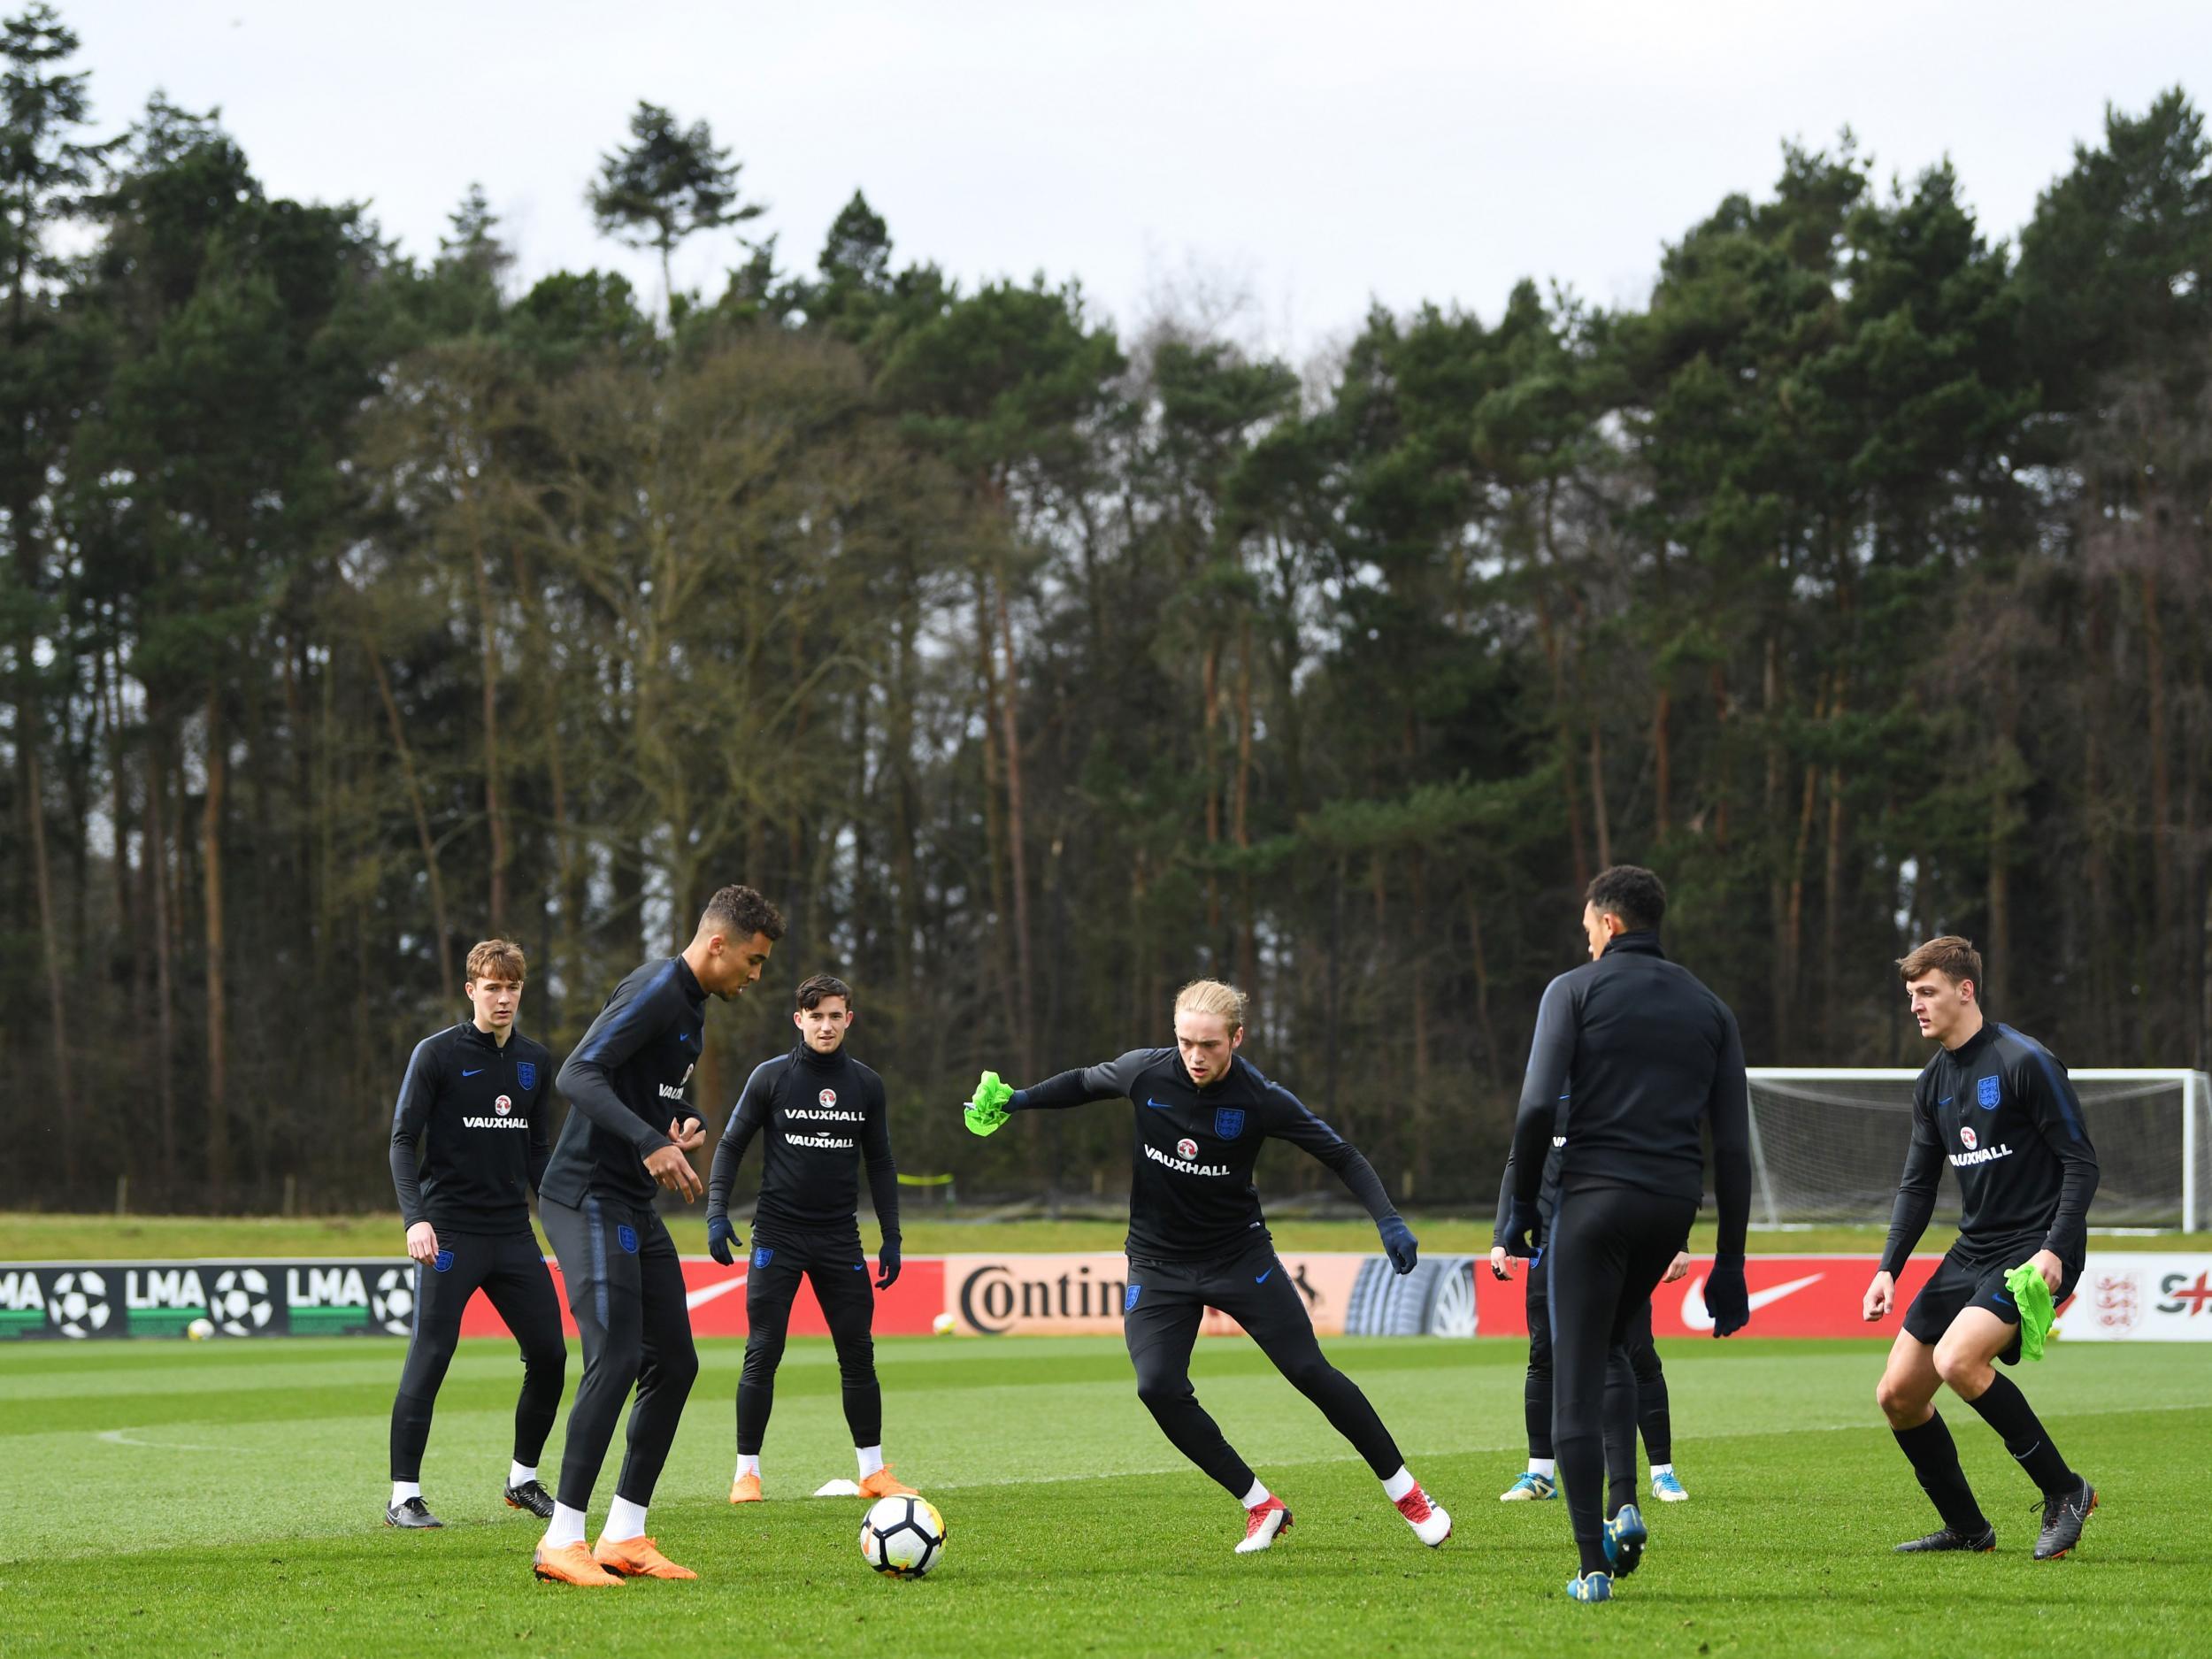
x=904 y=1537
x=199 y=1330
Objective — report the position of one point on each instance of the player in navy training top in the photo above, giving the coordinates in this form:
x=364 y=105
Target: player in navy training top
x=1632 y=1061
x=470 y=1137
x=1997 y=1107
x=625 y=1283
x=1197 y=1240
x=820 y=1115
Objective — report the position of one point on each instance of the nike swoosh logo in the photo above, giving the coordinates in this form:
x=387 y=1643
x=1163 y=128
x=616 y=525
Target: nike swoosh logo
x=478 y=1072
x=710 y=1293
x=1695 y=1315
x=1262 y=1280
x=1945 y=1101
x=1159 y=1105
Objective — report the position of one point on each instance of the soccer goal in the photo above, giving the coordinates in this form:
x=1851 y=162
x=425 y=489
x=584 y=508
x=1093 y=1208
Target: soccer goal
x=1827 y=1145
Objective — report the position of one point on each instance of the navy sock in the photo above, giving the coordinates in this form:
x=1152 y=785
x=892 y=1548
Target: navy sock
x=2005 y=1408
x=1934 y=1455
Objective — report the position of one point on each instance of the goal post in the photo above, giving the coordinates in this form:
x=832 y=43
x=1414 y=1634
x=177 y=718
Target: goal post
x=1828 y=1143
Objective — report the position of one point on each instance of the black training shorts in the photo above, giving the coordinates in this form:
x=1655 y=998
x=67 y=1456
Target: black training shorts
x=1975 y=1279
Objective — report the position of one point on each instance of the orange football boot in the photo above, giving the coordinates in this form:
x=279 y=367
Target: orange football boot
x=637 y=1558
x=570 y=1564
x=745 y=1489
x=882 y=1484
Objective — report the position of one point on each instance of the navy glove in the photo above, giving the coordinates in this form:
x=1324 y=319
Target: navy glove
x=720 y=1237
x=1398 y=1243
x=1726 y=1297
x=1521 y=1221
x=888 y=1265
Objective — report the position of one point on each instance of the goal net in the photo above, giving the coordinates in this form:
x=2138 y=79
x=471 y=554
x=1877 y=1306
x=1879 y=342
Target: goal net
x=1827 y=1145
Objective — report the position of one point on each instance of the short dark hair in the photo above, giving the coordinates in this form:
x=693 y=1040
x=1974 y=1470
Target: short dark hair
x=1631 y=893
x=741 y=912
x=812 y=991
x=1948 y=954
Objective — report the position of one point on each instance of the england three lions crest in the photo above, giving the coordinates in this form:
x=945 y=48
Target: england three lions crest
x=526 y=1074
x=1228 y=1122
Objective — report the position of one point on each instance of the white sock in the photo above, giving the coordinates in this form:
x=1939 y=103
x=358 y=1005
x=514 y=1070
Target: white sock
x=1658 y=1469
x=1543 y=1466
x=624 y=1520
x=1256 y=1496
x=1398 y=1484
x=566 y=1528
x=402 y=1490
x=871 y=1460
x=747 y=1464
x=517 y=1473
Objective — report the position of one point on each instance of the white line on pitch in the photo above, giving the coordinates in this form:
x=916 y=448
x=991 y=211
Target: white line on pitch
x=123 y=1437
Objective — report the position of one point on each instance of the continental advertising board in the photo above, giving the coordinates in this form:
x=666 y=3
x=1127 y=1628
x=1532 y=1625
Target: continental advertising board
x=984 y=1296
x=2123 y=1296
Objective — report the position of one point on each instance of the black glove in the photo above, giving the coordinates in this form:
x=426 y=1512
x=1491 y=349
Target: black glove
x=1727 y=1299
x=1398 y=1243
x=1521 y=1221
x=888 y=1265
x=720 y=1237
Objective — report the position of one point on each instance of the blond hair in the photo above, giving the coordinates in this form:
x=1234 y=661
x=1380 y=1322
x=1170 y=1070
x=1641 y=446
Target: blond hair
x=1213 y=996
x=493 y=959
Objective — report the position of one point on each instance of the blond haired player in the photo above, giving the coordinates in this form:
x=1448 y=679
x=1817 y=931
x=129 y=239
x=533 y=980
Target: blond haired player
x=1197 y=1240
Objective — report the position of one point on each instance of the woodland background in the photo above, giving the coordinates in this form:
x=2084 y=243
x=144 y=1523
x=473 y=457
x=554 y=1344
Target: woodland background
x=353 y=608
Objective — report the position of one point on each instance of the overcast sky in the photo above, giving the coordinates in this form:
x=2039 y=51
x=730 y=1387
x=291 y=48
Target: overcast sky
x=1312 y=156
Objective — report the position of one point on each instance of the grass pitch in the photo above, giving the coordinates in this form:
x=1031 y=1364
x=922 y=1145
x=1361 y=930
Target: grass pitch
x=227 y=1498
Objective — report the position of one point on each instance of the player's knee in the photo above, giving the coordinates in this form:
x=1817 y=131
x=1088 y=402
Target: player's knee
x=1161 y=1389
x=856 y=1360
x=1900 y=1401
x=423 y=1373
x=678 y=1366
x=545 y=1362
x=763 y=1352
x=1312 y=1376
x=615 y=1370
x=1959 y=1365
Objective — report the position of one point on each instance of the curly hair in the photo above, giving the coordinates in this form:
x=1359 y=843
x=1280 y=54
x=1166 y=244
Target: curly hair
x=1631 y=893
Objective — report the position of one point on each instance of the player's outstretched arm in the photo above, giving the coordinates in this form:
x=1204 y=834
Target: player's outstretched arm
x=1284 y=1117
x=994 y=1100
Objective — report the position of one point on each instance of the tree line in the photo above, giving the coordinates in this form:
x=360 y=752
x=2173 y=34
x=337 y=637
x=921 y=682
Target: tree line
x=357 y=606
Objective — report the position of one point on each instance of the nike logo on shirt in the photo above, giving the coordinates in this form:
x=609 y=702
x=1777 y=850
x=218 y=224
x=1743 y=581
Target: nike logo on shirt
x=1159 y=1105
x=1262 y=1280
x=478 y=1072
